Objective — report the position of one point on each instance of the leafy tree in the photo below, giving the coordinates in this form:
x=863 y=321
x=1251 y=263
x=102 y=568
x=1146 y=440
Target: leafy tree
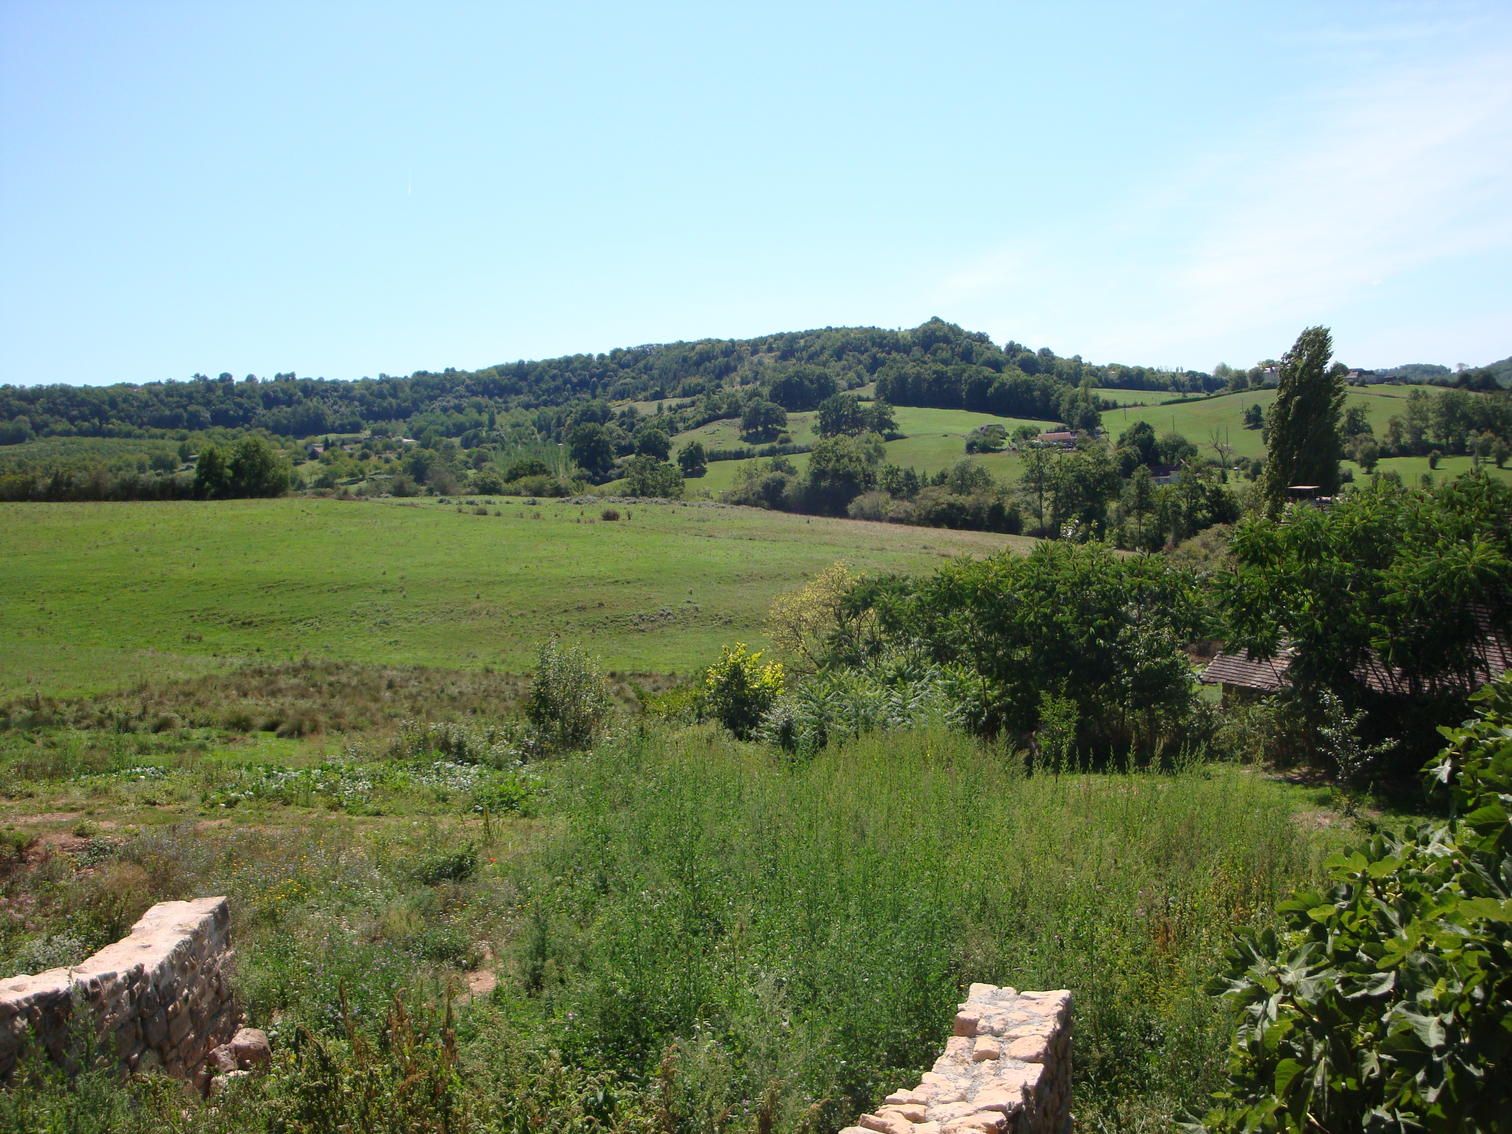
x=802 y=388
x=841 y=414
x=1138 y=510
x=16 y=431
x=968 y=478
x=1078 y=409
x=1390 y=580
x=1101 y=632
x=590 y=449
x=646 y=476
x=880 y=418
x=212 y=479
x=839 y=470
x=805 y=624
x=1303 y=441
x=1137 y=446
x=1081 y=487
x=1254 y=417
x=1365 y=451
x=522 y=467
x=693 y=459
x=253 y=467
x=1036 y=480
x=762 y=421
x=652 y=441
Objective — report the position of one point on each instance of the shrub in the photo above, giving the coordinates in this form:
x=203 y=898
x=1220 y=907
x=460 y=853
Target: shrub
x=568 y=704
x=446 y=866
x=1381 y=1004
x=842 y=704
x=738 y=689
x=609 y=515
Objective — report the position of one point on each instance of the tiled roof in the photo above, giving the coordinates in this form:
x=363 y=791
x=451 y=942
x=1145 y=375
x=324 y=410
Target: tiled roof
x=1248 y=673
x=1493 y=655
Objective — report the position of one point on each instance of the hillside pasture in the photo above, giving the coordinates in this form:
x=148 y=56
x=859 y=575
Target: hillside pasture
x=1126 y=397
x=97 y=596
x=1197 y=421
x=934 y=439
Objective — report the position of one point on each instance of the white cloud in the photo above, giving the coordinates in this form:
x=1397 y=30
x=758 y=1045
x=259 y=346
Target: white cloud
x=1337 y=193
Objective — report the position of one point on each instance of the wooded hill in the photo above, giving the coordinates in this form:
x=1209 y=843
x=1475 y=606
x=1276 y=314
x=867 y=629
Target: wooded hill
x=937 y=363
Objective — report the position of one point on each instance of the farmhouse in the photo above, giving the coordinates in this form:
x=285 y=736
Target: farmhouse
x=1060 y=439
x=1243 y=677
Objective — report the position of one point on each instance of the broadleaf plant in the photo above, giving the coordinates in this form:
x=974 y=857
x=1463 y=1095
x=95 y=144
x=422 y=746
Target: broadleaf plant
x=1384 y=1003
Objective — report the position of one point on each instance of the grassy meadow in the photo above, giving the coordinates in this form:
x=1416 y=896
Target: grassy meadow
x=935 y=439
x=1125 y=397
x=1197 y=421
x=97 y=596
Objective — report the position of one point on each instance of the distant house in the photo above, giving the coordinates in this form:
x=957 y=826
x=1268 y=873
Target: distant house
x=1310 y=494
x=1242 y=677
x=1061 y=439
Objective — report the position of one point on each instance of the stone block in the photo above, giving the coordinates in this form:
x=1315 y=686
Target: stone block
x=909 y=1112
x=1031 y=1049
x=987 y=1047
x=251 y=1048
x=988 y=1122
x=885 y=1124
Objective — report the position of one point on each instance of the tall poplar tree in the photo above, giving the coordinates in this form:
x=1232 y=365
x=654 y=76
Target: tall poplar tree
x=1304 y=444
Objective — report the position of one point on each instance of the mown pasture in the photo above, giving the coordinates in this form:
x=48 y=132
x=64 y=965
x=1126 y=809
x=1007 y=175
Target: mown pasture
x=1223 y=415
x=935 y=439
x=95 y=596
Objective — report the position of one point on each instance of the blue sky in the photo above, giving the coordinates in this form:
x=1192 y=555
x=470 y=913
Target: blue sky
x=346 y=189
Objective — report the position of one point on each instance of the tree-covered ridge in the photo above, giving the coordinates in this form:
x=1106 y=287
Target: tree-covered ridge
x=798 y=369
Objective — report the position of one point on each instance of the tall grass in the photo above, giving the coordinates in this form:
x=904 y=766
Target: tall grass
x=807 y=929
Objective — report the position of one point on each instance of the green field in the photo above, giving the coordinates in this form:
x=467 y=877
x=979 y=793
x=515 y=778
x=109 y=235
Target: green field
x=1224 y=414
x=934 y=439
x=1136 y=397
x=97 y=596
x=1413 y=469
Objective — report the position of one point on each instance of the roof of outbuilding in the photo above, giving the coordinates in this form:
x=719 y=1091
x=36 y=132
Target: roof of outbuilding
x=1246 y=672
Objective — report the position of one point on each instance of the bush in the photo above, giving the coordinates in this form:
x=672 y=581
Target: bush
x=842 y=704
x=1381 y=1004
x=738 y=689
x=568 y=704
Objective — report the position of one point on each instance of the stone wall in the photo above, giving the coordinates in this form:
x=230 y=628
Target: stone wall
x=159 y=998
x=1006 y=1070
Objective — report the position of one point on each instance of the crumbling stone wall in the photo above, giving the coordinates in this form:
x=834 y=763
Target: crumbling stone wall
x=159 y=998
x=1006 y=1070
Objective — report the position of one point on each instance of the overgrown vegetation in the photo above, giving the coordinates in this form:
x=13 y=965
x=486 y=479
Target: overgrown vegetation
x=1380 y=1002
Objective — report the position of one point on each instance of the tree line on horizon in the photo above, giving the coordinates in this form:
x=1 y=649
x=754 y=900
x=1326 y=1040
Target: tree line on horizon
x=936 y=363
